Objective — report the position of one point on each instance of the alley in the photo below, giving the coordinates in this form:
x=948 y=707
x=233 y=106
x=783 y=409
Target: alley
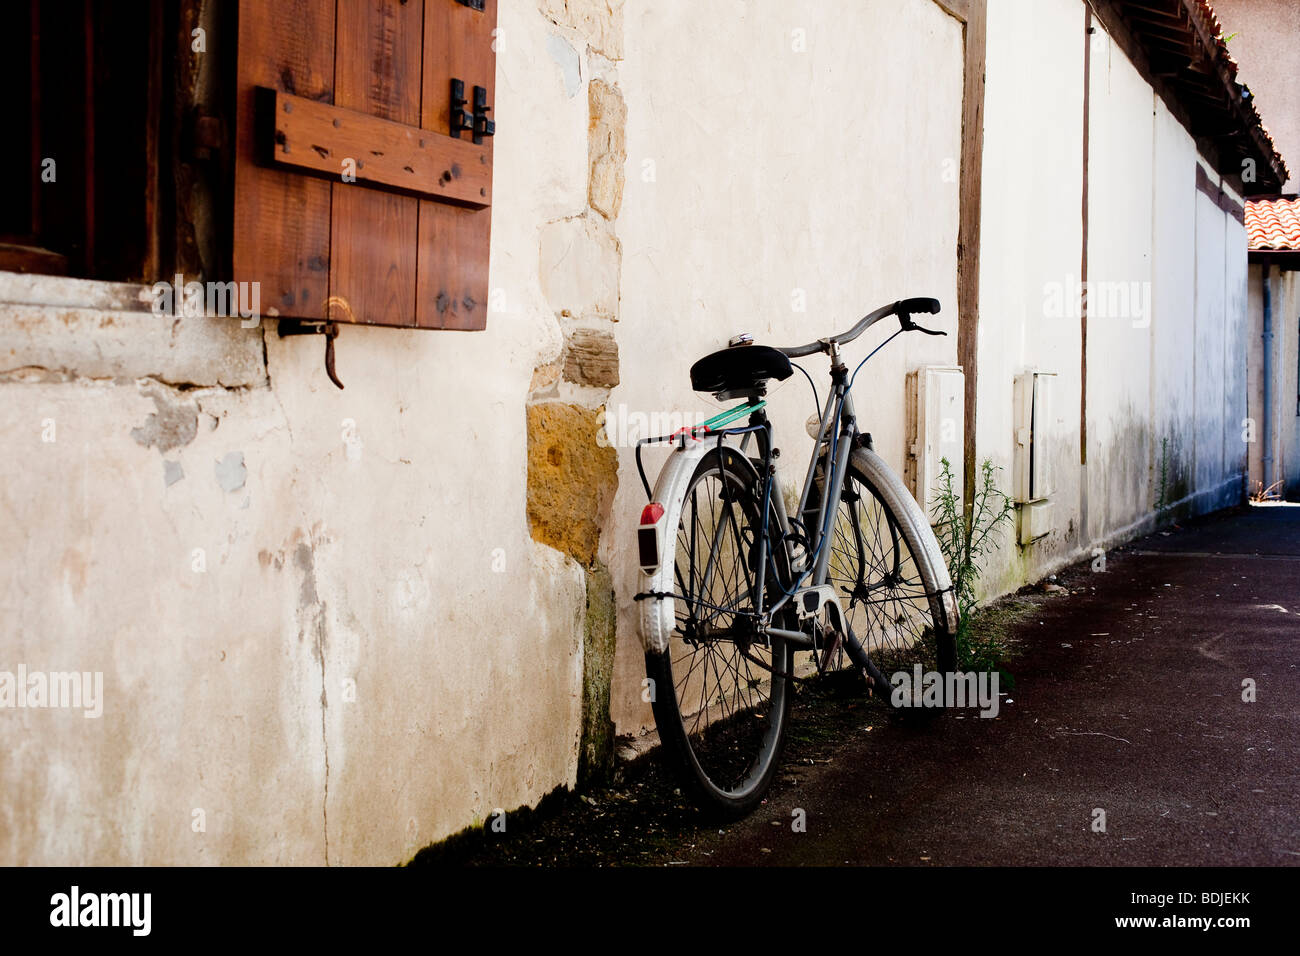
x=1128 y=699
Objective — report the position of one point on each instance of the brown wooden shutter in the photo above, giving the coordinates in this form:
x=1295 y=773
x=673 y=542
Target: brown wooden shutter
x=320 y=82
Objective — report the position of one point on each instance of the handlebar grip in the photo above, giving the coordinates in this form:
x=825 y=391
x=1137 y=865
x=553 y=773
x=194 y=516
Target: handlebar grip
x=926 y=305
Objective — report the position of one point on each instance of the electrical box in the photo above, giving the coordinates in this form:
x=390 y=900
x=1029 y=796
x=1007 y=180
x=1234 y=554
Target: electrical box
x=936 y=430
x=1034 y=481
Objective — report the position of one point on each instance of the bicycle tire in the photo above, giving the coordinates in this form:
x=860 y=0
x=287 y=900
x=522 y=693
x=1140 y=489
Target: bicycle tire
x=888 y=569
x=708 y=697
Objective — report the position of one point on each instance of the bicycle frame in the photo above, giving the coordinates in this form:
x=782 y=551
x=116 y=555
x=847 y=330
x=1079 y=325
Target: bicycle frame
x=838 y=427
x=836 y=440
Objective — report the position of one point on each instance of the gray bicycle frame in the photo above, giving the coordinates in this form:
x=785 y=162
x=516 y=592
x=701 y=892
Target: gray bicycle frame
x=838 y=410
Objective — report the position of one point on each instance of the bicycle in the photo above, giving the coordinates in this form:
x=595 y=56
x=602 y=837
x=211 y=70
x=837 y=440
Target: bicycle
x=734 y=588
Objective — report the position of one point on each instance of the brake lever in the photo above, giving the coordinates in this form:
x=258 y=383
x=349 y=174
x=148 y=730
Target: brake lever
x=909 y=326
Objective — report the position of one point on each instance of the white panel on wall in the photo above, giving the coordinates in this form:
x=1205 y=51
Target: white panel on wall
x=1034 y=479
x=937 y=427
x=1034 y=416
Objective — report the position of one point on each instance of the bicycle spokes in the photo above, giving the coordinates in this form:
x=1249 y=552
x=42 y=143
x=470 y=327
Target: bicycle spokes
x=722 y=666
x=871 y=566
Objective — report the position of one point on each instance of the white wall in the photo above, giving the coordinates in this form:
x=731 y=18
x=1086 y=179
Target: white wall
x=1236 y=268
x=830 y=170
x=1171 y=447
x=774 y=188
x=1030 y=248
x=1165 y=347
x=1120 y=177
x=225 y=690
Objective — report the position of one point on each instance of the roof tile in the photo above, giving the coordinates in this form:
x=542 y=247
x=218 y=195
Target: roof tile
x=1273 y=224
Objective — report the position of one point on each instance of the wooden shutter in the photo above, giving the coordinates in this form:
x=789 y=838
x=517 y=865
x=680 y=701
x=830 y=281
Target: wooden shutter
x=320 y=82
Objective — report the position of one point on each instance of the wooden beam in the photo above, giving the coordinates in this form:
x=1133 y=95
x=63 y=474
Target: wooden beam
x=34 y=121
x=317 y=138
x=973 y=15
x=1219 y=196
x=151 y=259
x=87 y=264
x=26 y=258
x=959 y=9
x=1167 y=11
x=1287 y=260
x=1165 y=33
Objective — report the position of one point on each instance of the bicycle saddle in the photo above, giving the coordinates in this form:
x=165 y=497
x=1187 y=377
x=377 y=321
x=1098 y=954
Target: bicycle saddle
x=740 y=372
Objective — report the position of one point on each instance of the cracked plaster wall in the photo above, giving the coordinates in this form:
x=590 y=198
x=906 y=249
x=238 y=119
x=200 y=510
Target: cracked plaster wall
x=321 y=616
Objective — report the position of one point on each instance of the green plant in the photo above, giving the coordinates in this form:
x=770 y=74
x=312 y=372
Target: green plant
x=965 y=544
x=1164 y=475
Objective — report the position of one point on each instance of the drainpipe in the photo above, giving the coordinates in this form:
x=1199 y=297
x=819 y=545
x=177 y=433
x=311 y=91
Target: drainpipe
x=1267 y=376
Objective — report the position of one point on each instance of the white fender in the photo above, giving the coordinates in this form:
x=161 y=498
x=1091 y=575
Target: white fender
x=658 y=616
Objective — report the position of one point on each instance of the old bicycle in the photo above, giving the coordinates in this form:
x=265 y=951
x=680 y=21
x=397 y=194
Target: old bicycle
x=735 y=591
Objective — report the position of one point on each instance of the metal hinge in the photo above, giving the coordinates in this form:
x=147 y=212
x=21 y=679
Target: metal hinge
x=206 y=135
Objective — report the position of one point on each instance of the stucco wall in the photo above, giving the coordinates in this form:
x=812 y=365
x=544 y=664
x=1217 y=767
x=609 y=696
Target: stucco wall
x=326 y=623
x=1030 y=254
x=1119 y=256
x=326 y=629
x=800 y=173
x=370 y=543
x=1173 y=383
x=1166 y=285
x=1283 y=418
x=1031 y=234
x=1287 y=329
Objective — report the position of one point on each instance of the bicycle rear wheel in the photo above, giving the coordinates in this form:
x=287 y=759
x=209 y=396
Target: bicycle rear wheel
x=721 y=694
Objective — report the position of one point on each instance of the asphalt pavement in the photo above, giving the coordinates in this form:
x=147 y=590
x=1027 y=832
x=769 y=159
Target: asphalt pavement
x=1131 y=736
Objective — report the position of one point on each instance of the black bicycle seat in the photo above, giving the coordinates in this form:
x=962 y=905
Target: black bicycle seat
x=740 y=372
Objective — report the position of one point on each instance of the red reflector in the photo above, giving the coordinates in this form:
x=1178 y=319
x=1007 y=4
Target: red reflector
x=652 y=513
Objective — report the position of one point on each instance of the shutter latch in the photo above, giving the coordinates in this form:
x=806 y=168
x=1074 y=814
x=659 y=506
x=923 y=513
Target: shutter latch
x=476 y=122
x=329 y=329
x=461 y=118
x=482 y=125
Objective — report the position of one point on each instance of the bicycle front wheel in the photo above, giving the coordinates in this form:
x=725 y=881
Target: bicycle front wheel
x=890 y=575
x=721 y=693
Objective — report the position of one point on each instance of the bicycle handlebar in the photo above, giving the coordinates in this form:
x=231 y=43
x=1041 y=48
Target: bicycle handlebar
x=903 y=308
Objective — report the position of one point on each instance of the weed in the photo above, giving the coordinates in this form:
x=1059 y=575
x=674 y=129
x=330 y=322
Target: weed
x=1261 y=494
x=1162 y=500
x=965 y=546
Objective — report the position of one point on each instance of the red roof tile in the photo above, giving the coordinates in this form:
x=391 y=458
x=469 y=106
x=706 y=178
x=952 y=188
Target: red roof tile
x=1273 y=224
